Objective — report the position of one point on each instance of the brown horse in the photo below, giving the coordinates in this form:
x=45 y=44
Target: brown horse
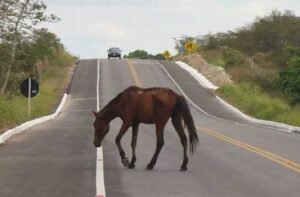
x=136 y=105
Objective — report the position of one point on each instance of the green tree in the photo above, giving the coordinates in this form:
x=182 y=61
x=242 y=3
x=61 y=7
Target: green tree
x=158 y=56
x=44 y=44
x=289 y=80
x=142 y=54
x=18 y=18
x=138 y=54
x=270 y=34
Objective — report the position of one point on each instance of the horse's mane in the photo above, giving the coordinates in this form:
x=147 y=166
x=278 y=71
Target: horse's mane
x=111 y=103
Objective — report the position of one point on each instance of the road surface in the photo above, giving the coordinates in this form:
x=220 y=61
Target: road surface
x=234 y=158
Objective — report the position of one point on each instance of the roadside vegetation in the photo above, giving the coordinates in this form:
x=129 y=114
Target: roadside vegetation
x=263 y=59
x=142 y=54
x=28 y=51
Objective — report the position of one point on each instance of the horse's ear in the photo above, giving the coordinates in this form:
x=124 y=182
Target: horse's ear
x=95 y=113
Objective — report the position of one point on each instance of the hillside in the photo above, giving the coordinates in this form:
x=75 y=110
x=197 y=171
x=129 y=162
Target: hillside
x=248 y=97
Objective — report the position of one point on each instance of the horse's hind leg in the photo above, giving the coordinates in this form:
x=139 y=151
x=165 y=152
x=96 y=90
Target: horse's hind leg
x=133 y=145
x=176 y=120
x=159 y=144
x=123 y=130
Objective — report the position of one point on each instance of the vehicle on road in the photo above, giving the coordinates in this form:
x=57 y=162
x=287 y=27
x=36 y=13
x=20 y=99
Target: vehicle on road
x=114 y=52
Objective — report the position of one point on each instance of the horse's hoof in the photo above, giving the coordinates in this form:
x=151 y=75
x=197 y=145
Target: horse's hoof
x=131 y=166
x=125 y=162
x=183 y=168
x=149 y=167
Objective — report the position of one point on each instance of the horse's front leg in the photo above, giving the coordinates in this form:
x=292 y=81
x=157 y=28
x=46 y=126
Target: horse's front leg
x=133 y=145
x=123 y=130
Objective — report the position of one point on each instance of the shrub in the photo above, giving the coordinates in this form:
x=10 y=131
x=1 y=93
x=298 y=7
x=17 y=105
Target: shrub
x=232 y=57
x=214 y=57
x=289 y=81
x=251 y=100
x=138 y=54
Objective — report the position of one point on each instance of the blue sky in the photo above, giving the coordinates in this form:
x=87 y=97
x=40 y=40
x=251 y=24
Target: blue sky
x=88 y=28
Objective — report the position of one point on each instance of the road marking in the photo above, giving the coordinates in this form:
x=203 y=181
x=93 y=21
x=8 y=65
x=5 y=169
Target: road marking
x=134 y=75
x=147 y=62
x=273 y=157
x=100 y=188
x=182 y=92
x=278 y=159
x=82 y=99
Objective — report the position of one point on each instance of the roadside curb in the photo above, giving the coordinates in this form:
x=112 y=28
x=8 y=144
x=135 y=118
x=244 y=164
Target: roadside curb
x=21 y=128
x=203 y=81
x=198 y=76
x=281 y=126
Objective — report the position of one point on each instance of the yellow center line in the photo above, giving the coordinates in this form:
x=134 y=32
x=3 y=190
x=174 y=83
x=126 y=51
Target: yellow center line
x=133 y=73
x=278 y=159
x=273 y=157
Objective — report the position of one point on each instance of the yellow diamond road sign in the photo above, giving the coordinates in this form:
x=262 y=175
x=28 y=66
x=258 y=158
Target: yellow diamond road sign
x=166 y=54
x=189 y=46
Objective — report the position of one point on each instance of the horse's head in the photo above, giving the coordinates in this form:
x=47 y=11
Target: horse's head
x=101 y=129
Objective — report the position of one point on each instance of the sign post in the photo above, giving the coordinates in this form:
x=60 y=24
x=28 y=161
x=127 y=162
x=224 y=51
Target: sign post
x=29 y=98
x=29 y=88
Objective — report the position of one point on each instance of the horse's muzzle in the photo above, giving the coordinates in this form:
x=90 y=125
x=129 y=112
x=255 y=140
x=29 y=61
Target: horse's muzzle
x=97 y=144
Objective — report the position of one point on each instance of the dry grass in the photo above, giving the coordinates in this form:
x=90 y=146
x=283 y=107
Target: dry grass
x=55 y=81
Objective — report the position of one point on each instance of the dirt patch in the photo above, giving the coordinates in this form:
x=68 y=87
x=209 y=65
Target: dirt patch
x=214 y=74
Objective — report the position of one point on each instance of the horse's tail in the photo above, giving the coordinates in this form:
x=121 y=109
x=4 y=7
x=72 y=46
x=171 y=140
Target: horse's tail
x=189 y=123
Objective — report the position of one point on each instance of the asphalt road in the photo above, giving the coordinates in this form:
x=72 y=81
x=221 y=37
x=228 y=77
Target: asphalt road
x=55 y=158
x=233 y=158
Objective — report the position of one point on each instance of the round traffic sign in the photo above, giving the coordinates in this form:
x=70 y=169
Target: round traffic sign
x=34 y=87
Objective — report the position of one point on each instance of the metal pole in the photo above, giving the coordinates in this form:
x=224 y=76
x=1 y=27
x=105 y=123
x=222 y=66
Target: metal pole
x=29 y=98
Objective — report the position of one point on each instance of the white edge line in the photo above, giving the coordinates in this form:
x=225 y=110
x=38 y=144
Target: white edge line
x=206 y=83
x=182 y=92
x=100 y=188
x=21 y=128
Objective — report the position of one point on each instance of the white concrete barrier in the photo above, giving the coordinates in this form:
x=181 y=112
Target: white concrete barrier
x=203 y=81
x=21 y=128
